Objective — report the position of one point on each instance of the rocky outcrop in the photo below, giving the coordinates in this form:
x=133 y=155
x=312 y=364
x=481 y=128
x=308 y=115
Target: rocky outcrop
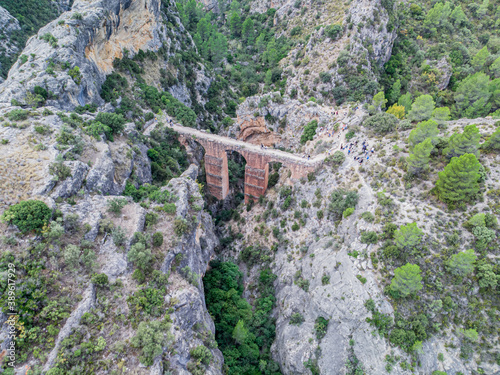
x=195 y=249
x=254 y=130
x=88 y=301
x=8 y=24
x=282 y=121
x=90 y=36
x=63 y=5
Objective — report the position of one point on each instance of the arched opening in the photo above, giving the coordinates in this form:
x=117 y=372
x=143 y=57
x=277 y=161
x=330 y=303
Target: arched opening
x=236 y=164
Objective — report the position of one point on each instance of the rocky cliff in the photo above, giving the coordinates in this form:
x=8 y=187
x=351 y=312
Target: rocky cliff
x=8 y=24
x=72 y=55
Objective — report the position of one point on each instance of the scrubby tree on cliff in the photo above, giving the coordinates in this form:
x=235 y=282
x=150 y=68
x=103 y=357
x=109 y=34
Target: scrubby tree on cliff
x=459 y=180
x=407 y=280
x=465 y=143
x=418 y=161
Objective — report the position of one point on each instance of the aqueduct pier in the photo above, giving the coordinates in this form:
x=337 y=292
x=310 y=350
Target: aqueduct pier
x=257 y=158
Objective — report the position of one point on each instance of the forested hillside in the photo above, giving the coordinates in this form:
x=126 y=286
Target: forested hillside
x=249 y=187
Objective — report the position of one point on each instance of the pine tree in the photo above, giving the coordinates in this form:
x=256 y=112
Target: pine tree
x=379 y=101
x=465 y=143
x=459 y=180
x=408 y=236
x=235 y=24
x=407 y=279
x=424 y=130
x=472 y=96
x=395 y=92
x=495 y=68
x=440 y=115
x=422 y=108
x=458 y=17
x=248 y=31
x=271 y=53
x=493 y=142
x=418 y=161
x=480 y=59
x=203 y=29
x=434 y=16
x=218 y=49
x=405 y=101
x=261 y=42
x=462 y=263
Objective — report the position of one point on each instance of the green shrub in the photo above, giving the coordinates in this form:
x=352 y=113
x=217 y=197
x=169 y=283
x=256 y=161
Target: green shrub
x=201 y=354
x=325 y=279
x=119 y=236
x=115 y=205
x=27 y=215
x=348 y=212
x=140 y=256
x=75 y=74
x=368 y=217
x=309 y=132
x=113 y=87
x=181 y=226
x=369 y=237
x=341 y=200
x=170 y=208
x=49 y=38
x=71 y=256
x=338 y=158
x=17 y=115
x=157 y=239
x=115 y=122
x=151 y=219
x=296 y=319
x=151 y=337
x=382 y=123
x=334 y=31
x=100 y=279
x=59 y=170
x=320 y=327
x=295 y=227
x=138 y=276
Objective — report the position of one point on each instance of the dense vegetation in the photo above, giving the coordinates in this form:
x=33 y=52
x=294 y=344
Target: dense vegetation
x=244 y=333
x=454 y=40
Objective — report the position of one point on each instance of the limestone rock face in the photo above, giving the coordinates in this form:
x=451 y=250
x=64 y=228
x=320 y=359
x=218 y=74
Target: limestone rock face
x=72 y=184
x=197 y=249
x=8 y=24
x=90 y=36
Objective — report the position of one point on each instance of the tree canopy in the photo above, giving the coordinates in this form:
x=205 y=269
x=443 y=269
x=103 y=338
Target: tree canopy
x=460 y=179
x=407 y=280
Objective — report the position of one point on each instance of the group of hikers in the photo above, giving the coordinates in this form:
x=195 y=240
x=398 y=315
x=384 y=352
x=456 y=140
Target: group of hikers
x=365 y=153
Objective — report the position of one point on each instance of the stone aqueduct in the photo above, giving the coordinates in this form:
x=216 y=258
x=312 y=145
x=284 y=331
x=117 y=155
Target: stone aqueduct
x=257 y=166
